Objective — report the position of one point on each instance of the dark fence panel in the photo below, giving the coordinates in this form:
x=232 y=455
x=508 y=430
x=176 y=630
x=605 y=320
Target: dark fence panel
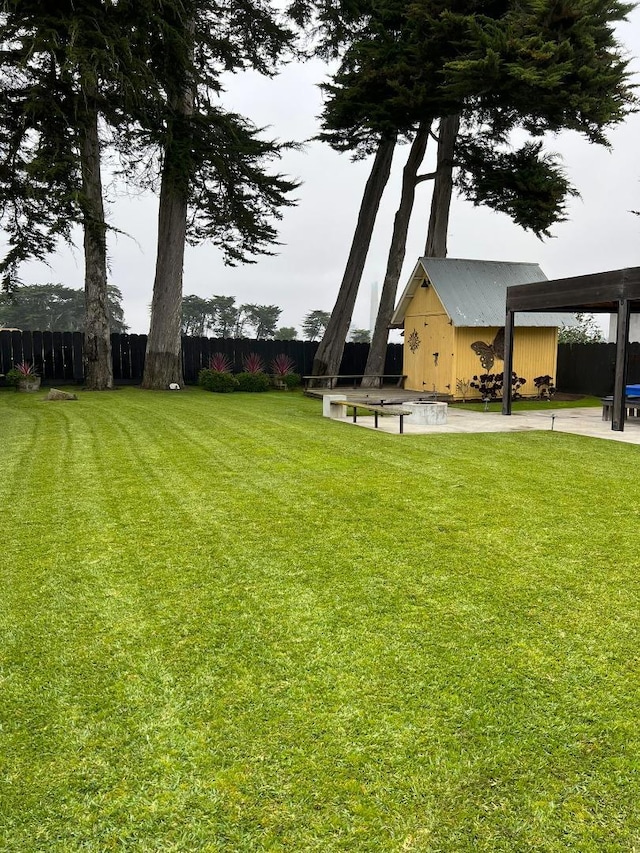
x=6 y=352
x=67 y=356
x=38 y=355
x=393 y=362
x=43 y=343
x=633 y=365
x=590 y=368
x=58 y=355
x=18 y=343
x=127 y=354
x=78 y=365
x=137 y=349
x=191 y=357
x=57 y=352
x=354 y=358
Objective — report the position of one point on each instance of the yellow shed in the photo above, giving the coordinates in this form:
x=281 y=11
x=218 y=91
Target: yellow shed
x=453 y=312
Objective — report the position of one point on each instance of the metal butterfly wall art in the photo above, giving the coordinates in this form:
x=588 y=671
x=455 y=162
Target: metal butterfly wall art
x=488 y=353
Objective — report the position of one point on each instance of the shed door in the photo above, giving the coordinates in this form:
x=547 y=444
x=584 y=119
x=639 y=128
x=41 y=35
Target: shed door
x=438 y=358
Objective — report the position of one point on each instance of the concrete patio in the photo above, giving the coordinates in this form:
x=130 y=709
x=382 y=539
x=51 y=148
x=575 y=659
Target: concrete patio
x=578 y=421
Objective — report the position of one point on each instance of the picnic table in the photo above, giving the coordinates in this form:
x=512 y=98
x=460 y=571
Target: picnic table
x=377 y=409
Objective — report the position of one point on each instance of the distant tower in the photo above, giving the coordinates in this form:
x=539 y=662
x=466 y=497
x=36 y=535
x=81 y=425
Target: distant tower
x=374 y=306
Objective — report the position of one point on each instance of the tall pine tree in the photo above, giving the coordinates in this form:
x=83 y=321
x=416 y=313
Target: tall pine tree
x=67 y=67
x=539 y=67
x=214 y=179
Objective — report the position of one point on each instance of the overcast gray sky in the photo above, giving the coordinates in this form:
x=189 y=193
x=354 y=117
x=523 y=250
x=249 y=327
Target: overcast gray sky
x=316 y=234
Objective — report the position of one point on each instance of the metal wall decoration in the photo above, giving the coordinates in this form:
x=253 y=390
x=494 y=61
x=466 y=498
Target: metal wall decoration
x=414 y=341
x=488 y=353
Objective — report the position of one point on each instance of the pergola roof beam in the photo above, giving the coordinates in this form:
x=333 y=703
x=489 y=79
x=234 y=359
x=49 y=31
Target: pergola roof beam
x=596 y=292
x=615 y=292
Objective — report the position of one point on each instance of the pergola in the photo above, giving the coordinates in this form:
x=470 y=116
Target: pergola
x=612 y=292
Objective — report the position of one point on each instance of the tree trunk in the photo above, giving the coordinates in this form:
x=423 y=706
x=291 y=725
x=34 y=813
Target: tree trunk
x=378 y=347
x=163 y=359
x=436 y=246
x=97 y=337
x=329 y=353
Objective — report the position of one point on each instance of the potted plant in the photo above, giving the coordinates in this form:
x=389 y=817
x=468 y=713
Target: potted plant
x=24 y=376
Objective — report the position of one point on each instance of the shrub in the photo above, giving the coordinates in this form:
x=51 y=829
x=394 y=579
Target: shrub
x=516 y=384
x=292 y=380
x=282 y=372
x=253 y=363
x=462 y=387
x=248 y=381
x=21 y=371
x=282 y=365
x=12 y=377
x=490 y=385
x=26 y=369
x=545 y=386
x=218 y=381
x=220 y=363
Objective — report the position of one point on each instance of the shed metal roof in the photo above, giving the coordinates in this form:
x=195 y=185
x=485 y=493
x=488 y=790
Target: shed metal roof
x=474 y=293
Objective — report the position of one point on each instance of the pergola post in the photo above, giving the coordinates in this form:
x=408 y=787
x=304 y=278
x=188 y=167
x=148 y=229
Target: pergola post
x=620 y=379
x=508 y=362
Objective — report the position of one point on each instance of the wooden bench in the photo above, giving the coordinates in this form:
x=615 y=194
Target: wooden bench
x=331 y=380
x=631 y=406
x=377 y=410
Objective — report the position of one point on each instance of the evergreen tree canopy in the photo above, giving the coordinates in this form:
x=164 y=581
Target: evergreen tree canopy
x=62 y=63
x=538 y=65
x=360 y=336
x=547 y=66
x=54 y=308
x=221 y=317
x=196 y=315
x=263 y=319
x=225 y=314
x=286 y=333
x=217 y=158
x=527 y=184
x=314 y=324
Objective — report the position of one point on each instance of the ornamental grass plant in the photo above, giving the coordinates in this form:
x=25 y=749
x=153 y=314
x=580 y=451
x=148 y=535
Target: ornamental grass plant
x=229 y=624
x=253 y=378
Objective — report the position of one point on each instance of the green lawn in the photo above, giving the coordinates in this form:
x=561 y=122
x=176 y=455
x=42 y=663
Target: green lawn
x=229 y=624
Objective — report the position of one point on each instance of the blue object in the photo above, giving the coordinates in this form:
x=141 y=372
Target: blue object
x=632 y=391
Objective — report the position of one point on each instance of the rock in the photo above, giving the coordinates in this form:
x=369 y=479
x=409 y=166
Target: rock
x=55 y=394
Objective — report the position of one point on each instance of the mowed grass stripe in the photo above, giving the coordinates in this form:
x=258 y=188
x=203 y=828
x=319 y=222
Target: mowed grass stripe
x=281 y=633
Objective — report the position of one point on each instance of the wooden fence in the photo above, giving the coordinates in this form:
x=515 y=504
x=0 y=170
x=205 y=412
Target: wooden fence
x=582 y=368
x=58 y=356
x=590 y=368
